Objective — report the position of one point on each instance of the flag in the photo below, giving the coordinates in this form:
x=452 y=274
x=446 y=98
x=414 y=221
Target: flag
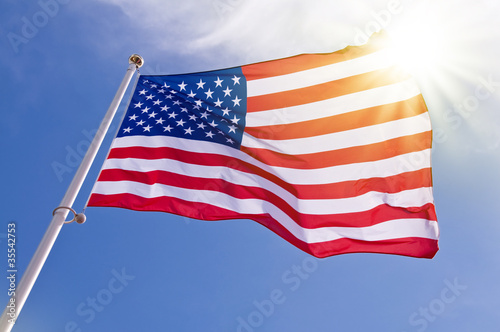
x=329 y=151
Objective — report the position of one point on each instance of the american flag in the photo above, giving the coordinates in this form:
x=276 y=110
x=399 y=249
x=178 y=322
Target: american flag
x=329 y=151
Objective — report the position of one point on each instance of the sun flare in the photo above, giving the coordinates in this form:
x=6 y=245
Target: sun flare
x=418 y=49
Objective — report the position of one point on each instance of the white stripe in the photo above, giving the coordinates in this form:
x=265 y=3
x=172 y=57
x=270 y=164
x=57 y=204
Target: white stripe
x=387 y=230
x=364 y=202
x=344 y=139
x=340 y=105
x=319 y=75
x=381 y=168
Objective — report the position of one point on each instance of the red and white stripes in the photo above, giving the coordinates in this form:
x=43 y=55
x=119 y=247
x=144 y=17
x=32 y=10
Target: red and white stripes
x=335 y=158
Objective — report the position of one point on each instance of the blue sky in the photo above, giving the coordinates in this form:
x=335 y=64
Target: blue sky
x=62 y=63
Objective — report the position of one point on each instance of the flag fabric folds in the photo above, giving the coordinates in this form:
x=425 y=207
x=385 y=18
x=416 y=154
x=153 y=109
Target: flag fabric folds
x=329 y=151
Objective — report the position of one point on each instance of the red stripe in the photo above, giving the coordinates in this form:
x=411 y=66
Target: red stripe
x=309 y=61
x=411 y=246
x=415 y=247
x=391 y=184
x=376 y=215
x=357 y=154
x=342 y=122
x=326 y=90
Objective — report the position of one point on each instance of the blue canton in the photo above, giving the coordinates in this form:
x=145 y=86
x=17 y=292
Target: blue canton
x=209 y=106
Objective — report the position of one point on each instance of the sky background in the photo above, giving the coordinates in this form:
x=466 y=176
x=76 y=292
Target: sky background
x=62 y=64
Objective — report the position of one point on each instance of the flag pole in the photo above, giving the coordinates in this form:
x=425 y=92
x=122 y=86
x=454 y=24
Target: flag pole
x=16 y=302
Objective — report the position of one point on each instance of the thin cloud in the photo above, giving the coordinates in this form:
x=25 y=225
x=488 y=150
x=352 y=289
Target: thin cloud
x=166 y=25
x=248 y=31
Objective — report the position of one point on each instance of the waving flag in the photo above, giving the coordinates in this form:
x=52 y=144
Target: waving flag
x=329 y=151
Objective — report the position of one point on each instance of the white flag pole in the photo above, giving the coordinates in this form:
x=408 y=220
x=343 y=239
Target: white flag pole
x=16 y=302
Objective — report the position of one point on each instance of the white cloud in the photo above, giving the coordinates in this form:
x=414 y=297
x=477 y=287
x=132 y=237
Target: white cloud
x=259 y=31
x=168 y=25
x=246 y=30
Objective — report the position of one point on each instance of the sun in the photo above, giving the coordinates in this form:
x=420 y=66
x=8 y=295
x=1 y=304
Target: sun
x=418 y=47
x=436 y=49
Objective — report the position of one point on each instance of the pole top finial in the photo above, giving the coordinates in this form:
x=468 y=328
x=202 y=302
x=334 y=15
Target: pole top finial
x=136 y=59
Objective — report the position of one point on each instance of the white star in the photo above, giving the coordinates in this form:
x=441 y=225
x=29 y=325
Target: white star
x=160 y=121
x=165 y=108
x=227 y=92
x=182 y=86
x=173 y=92
x=236 y=101
x=154 y=86
x=210 y=134
x=180 y=122
x=209 y=93
x=177 y=102
x=167 y=128
x=133 y=117
x=165 y=86
x=152 y=115
x=213 y=124
x=218 y=82
x=161 y=91
x=225 y=111
x=236 y=80
x=149 y=97
x=189 y=131
x=142 y=92
x=184 y=110
x=235 y=120
x=232 y=129
x=201 y=125
x=148 y=128
x=204 y=115
x=172 y=115
x=140 y=123
x=145 y=110
x=201 y=84
x=145 y=81
x=193 y=117
x=208 y=109
x=127 y=130
x=198 y=103
x=229 y=140
x=192 y=94
x=139 y=104
x=218 y=103
x=157 y=102
x=169 y=97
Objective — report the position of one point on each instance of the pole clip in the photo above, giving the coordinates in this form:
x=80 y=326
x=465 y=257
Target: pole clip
x=78 y=217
